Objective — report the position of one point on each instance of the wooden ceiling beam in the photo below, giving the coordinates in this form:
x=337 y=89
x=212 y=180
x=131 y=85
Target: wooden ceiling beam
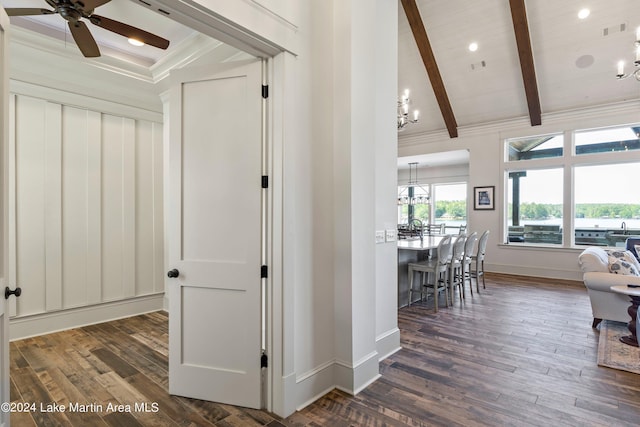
x=420 y=35
x=523 y=40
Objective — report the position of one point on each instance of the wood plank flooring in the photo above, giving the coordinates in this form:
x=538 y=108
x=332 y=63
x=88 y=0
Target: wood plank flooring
x=521 y=353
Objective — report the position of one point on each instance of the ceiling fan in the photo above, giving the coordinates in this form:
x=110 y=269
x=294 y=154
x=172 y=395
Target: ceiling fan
x=74 y=10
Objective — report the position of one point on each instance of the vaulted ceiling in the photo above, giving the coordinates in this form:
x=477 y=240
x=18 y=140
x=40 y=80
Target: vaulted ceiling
x=534 y=57
x=571 y=62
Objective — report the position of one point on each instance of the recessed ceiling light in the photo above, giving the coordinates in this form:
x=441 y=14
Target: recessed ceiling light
x=136 y=42
x=473 y=47
x=583 y=13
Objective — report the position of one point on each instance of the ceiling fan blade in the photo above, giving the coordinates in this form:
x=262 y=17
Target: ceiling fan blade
x=25 y=11
x=89 y=5
x=129 y=31
x=85 y=41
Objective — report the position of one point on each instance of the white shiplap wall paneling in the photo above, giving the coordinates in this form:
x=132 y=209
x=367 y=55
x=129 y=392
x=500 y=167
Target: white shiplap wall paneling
x=75 y=203
x=29 y=204
x=88 y=206
x=53 y=205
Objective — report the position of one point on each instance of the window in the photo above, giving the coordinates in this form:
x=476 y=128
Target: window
x=447 y=205
x=538 y=147
x=534 y=206
x=607 y=204
x=581 y=181
x=450 y=206
x=607 y=140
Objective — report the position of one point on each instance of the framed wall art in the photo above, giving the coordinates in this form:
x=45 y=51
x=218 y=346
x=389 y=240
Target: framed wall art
x=484 y=198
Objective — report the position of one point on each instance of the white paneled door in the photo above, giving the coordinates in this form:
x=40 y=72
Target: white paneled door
x=4 y=274
x=214 y=240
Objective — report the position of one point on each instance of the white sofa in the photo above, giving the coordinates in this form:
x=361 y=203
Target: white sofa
x=605 y=304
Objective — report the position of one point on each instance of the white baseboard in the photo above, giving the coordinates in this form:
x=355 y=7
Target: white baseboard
x=365 y=372
x=388 y=344
x=46 y=323
x=546 y=273
x=336 y=374
x=314 y=384
x=284 y=396
x=354 y=378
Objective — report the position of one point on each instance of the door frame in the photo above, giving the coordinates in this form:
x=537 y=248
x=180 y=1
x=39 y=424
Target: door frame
x=278 y=379
x=5 y=416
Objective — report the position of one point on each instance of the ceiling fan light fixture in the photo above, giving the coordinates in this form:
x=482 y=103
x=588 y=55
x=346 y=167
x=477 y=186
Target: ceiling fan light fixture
x=135 y=42
x=73 y=10
x=584 y=13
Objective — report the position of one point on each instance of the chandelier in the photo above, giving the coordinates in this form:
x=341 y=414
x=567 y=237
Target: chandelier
x=407 y=195
x=403 y=112
x=636 y=73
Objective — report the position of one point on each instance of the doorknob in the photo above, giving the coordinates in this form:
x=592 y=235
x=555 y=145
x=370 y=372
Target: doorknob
x=8 y=292
x=173 y=273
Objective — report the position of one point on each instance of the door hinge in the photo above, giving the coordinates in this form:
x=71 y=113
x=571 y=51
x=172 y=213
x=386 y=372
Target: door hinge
x=264 y=272
x=265 y=91
x=264 y=360
x=265 y=181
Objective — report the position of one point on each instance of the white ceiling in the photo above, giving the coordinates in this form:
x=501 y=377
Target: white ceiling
x=446 y=158
x=112 y=46
x=575 y=63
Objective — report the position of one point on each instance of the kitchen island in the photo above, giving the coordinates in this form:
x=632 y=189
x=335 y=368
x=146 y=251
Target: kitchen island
x=412 y=250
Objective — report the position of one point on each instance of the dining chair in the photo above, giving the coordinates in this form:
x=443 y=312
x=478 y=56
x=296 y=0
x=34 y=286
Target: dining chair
x=454 y=264
x=435 y=269
x=478 y=260
x=469 y=247
x=434 y=228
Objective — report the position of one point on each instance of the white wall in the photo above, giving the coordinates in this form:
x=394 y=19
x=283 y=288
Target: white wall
x=308 y=203
x=338 y=158
x=87 y=208
x=354 y=186
x=386 y=143
x=486 y=168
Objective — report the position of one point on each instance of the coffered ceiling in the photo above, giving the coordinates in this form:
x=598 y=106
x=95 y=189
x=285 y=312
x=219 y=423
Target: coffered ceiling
x=50 y=33
x=574 y=60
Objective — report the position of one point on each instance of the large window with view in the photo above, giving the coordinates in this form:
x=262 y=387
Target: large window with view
x=429 y=205
x=534 y=209
x=574 y=188
x=450 y=206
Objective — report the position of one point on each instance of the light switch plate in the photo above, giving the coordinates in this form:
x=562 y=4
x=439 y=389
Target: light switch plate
x=391 y=235
x=379 y=236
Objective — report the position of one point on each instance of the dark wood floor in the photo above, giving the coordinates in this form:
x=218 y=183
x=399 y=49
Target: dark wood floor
x=522 y=353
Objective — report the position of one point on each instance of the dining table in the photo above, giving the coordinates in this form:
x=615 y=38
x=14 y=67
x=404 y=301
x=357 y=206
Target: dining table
x=415 y=249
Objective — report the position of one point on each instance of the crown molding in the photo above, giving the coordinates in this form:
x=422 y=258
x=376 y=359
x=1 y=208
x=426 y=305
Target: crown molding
x=59 y=48
x=596 y=116
x=188 y=51
x=114 y=61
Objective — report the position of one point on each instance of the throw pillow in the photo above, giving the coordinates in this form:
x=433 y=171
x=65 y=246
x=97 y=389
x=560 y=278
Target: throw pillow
x=623 y=262
x=628 y=256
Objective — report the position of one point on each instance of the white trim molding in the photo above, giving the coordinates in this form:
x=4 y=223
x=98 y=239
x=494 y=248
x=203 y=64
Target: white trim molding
x=388 y=344
x=46 y=323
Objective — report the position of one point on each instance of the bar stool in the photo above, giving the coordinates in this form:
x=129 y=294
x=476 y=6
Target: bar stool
x=437 y=266
x=469 y=247
x=478 y=260
x=455 y=267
